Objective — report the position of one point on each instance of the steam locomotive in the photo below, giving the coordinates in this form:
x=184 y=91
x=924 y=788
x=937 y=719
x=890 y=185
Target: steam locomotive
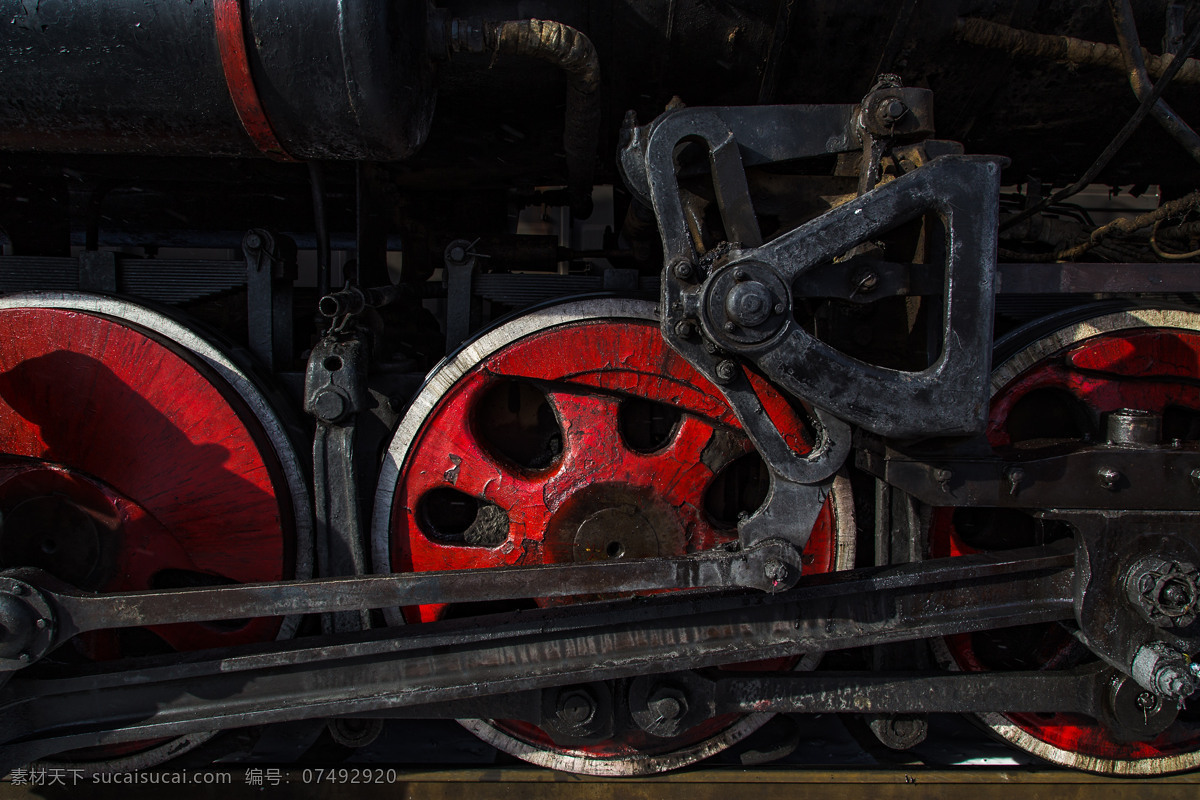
x=608 y=376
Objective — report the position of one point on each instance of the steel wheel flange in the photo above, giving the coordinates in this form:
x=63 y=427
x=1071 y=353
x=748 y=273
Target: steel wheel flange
x=1058 y=381
x=575 y=433
x=139 y=455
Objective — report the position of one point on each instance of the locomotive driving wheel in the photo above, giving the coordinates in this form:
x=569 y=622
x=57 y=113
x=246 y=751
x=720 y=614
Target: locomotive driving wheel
x=1055 y=382
x=574 y=433
x=138 y=456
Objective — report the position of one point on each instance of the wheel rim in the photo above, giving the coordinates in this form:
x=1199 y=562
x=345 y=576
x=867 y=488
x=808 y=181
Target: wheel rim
x=1060 y=386
x=557 y=427
x=159 y=464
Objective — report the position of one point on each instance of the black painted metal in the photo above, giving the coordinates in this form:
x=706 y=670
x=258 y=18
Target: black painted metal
x=1115 y=478
x=339 y=79
x=77 y=613
x=270 y=273
x=455 y=660
x=335 y=393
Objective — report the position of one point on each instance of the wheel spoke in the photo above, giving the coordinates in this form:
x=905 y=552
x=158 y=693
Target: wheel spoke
x=593 y=440
x=146 y=459
x=1060 y=387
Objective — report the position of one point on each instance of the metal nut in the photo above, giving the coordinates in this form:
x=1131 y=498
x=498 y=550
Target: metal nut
x=682 y=270
x=576 y=707
x=685 y=329
x=774 y=570
x=329 y=405
x=1014 y=475
x=1108 y=477
x=1165 y=591
x=726 y=371
x=1163 y=670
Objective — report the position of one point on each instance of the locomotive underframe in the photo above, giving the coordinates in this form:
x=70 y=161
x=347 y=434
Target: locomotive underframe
x=1118 y=576
x=718 y=312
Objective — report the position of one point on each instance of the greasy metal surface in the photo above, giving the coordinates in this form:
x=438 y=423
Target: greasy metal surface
x=334 y=394
x=1064 y=477
x=231 y=42
x=445 y=661
x=1101 y=361
x=78 y=613
x=335 y=78
x=948 y=397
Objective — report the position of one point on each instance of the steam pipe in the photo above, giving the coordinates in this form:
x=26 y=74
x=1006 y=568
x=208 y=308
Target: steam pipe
x=568 y=49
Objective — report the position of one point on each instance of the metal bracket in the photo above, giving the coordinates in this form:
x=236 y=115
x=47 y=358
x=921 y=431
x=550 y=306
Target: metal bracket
x=1088 y=476
x=270 y=271
x=948 y=397
x=460 y=261
x=334 y=391
x=1110 y=551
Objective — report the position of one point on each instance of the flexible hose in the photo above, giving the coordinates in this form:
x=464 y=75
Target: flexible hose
x=572 y=52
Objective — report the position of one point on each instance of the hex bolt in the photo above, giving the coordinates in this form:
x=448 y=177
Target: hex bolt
x=576 y=707
x=667 y=708
x=730 y=327
x=774 y=570
x=1014 y=475
x=684 y=329
x=894 y=109
x=726 y=371
x=42 y=624
x=667 y=704
x=1108 y=477
x=778 y=309
x=252 y=241
x=1165 y=671
x=1195 y=476
x=943 y=476
x=682 y=270
x=329 y=405
x=740 y=275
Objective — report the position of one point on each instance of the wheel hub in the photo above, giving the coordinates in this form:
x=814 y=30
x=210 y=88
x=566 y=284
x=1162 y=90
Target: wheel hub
x=610 y=521
x=140 y=457
x=1122 y=376
x=582 y=430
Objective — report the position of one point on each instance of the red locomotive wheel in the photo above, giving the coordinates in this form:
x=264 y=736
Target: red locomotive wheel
x=573 y=434
x=137 y=456
x=1057 y=388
